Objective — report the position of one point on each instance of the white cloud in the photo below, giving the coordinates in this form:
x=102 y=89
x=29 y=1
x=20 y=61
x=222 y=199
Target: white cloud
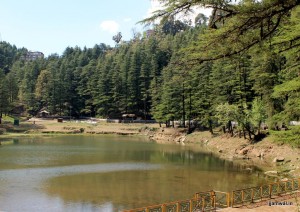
x=110 y=26
x=156 y=5
x=127 y=19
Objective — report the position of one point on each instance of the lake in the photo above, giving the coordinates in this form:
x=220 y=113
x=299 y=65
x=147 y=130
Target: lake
x=109 y=173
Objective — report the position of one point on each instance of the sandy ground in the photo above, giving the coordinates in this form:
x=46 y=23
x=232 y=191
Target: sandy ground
x=70 y=127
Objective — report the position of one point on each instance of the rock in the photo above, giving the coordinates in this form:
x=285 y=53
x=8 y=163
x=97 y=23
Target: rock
x=259 y=154
x=288 y=161
x=177 y=139
x=243 y=151
x=182 y=138
x=271 y=173
x=278 y=159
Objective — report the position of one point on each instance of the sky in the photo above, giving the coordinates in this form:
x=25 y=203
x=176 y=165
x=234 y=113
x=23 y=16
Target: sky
x=50 y=26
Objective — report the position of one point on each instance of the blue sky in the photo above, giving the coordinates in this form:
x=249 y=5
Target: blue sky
x=52 y=25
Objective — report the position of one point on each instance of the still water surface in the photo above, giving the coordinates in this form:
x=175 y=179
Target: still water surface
x=108 y=173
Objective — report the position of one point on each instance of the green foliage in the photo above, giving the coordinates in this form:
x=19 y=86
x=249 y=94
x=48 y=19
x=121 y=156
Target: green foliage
x=4 y=95
x=290 y=137
x=226 y=113
x=258 y=113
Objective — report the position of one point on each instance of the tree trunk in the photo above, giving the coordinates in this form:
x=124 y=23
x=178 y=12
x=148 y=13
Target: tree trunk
x=258 y=131
x=224 y=129
x=183 y=106
x=230 y=129
x=210 y=127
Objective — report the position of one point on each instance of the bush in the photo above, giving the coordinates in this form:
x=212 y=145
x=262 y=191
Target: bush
x=2 y=131
x=290 y=137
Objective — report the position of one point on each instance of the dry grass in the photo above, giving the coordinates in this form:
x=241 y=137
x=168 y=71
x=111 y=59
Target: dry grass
x=52 y=126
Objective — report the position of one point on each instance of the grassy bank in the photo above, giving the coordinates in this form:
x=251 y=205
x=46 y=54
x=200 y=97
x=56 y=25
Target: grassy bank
x=40 y=126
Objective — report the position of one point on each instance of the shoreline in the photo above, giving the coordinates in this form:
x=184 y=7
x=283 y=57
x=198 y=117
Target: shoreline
x=273 y=159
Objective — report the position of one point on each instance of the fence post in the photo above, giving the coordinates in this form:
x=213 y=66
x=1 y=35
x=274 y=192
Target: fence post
x=270 y=191
x=178 y=207
x=285 y=191
x=213 y=199
x=252 y=195
x=163 y=208
x=243 y=197
x=228 y=199
x=191 y=205
x=232 y=199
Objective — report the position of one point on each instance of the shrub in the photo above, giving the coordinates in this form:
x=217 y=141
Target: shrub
x=2 y=131
x=290 y=137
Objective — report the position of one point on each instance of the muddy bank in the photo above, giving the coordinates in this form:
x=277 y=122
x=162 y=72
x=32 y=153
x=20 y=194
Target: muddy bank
x=273 y=158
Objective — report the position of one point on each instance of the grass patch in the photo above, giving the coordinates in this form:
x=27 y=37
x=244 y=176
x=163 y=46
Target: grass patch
x=7 y=119
x=290 y=137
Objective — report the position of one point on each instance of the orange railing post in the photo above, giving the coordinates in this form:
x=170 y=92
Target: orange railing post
x=178 y=207
x=228 y=199
x=163 y=208
x=232 y=199
x=243 y=197
x=261 y=193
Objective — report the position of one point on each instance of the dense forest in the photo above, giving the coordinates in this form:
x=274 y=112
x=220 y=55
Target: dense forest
x=240 y=65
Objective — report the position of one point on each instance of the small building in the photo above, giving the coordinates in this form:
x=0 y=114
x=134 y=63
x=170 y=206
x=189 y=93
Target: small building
x=128 y=118
x=43 y=114
x=30 y=56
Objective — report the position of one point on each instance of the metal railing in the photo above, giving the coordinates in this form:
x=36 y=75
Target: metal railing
x=212 y=200
x=259 y=193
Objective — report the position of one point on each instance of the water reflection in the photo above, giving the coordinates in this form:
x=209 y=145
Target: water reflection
x=108 y=173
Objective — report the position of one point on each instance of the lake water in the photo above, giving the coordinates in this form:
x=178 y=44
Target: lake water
x=108 y=173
